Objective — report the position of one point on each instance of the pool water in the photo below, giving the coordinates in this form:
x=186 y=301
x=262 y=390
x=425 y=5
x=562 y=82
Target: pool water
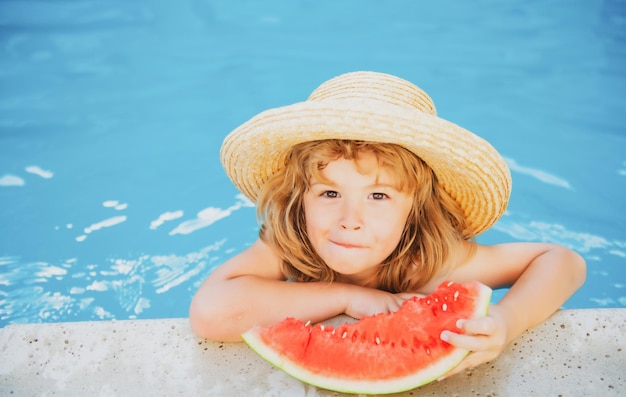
x=113 y=202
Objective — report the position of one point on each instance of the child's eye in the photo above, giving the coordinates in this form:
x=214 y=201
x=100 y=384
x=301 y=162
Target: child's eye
x=378 y=196
x=330 y=194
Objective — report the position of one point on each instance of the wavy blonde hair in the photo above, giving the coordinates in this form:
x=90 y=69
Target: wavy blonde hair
x=434 y=226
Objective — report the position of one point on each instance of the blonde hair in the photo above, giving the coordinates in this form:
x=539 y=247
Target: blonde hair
x=434 y=228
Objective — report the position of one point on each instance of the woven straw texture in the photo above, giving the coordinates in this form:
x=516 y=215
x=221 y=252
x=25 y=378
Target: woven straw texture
x=376 y=107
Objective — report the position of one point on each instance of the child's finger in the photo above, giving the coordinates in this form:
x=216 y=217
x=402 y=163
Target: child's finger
x=409 y=295
x=478 y=326
x=468 y=342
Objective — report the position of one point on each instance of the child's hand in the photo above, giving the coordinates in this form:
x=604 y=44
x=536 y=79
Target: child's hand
x=368 y=301
x=484 y=337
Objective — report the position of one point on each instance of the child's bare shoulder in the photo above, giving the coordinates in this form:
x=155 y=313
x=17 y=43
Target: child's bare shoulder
x=259 y=259
x=498 y=265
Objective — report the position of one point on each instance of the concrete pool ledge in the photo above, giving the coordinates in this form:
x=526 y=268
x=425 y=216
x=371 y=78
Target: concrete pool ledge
x=574 y=353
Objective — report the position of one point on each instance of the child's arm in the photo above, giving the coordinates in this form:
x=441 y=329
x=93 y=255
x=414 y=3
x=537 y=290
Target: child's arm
x=249 y=289
x=542 y=277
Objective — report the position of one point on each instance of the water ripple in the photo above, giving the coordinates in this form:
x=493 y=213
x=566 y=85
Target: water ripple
x=126 y=288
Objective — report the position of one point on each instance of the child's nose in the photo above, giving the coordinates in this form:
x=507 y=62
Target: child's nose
x=349 y=226
x=352 y=216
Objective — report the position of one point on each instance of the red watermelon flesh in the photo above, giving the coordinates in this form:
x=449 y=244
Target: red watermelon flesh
x=384 y=353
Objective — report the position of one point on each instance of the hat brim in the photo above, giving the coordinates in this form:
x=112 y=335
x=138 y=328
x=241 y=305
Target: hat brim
x=467 y=166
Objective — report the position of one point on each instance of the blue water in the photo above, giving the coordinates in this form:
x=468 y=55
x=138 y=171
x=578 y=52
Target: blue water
x=113 y=202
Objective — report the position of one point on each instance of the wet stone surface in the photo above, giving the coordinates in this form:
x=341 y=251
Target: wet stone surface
x=576 y=352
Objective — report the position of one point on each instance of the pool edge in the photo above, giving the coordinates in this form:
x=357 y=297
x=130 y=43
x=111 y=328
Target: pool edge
x=575 y=352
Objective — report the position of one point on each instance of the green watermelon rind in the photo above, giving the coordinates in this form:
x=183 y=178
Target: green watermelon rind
x=387 y=386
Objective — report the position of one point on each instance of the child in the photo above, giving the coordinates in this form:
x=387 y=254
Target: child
x=365 y=198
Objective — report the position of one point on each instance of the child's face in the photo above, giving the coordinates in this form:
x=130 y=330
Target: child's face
x=355 y=217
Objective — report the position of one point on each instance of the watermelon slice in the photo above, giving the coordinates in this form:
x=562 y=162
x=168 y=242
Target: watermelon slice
x=384 y=353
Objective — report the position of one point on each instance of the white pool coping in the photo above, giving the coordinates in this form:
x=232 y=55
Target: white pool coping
x=575 y=353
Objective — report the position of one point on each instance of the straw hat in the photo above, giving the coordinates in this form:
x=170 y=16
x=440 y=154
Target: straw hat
x=376 y=107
